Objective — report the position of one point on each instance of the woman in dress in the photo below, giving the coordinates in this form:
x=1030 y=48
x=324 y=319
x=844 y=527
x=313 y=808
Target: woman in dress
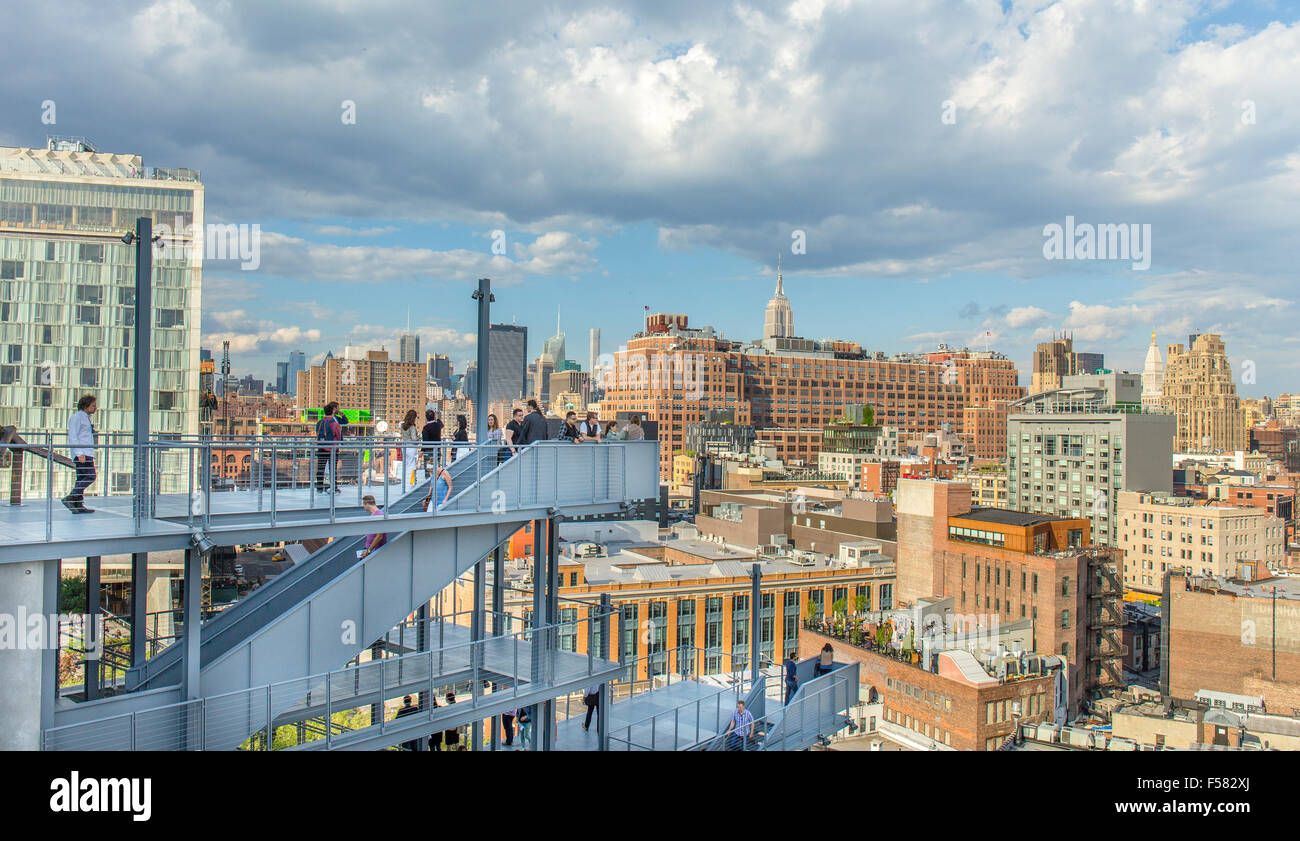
x=461 y=434
x=410 y=438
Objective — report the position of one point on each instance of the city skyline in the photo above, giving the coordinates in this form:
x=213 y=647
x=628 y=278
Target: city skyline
x=941 y=240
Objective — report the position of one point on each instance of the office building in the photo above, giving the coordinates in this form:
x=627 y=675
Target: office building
x=789 y=390
x=439 y=369
x=1199 y=390
x=507 y=363
x=1159 y=532
x=282 y=378
x=373 y=383
x=1056 y=359
x=1071 y=451
x=778 y=319
x=67 y=291
x=408 y=347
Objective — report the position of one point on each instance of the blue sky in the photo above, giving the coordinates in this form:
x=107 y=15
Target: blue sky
x=662 y=153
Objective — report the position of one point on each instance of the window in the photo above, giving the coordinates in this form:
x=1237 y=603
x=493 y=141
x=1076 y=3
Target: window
x=1065 y=619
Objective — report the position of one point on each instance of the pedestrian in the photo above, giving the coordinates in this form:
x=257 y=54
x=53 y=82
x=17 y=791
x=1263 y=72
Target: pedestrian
x=534 y=425
x=409 y=708
x=591 y=697
x=590 y=428
x=741 y=728
x=435 y=739
x=81 y=441
x=634 y=431
x=451 y=738
x=791 y=677
x=515 y=432
x=525 y=718
x=462 y=435
x=431 y=435
x=410 y=438
x=373 y=541
x=570 y=432
x=508 y=728
x=826 y=662
x=611 y=433
x=496 y=438
x=329 y=433
x=440 y=491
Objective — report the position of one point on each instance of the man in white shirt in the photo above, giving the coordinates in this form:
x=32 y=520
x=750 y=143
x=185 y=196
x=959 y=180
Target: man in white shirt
x=81 y=441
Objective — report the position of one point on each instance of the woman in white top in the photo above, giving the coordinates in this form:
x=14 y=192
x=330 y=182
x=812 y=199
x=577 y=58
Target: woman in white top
x=410 y=438
x=498 y=438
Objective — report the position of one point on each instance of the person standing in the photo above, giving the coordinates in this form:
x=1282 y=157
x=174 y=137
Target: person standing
x=451 y=738
x=826 y=661
x=461 y=435
x=590 y=428
x=508 y=728
x=525 y=718
x=329 y=434
x=515 y=431
x=634 y=431
x=431 y=435
x=408 y=708
x=611 y=433
x=741 y=728
x=570 y=432
x=534 y=425
x=410 y=438
x=791 y=677
x=435 y=739
x=81 y=441
x=591 y=697
x=496 y=438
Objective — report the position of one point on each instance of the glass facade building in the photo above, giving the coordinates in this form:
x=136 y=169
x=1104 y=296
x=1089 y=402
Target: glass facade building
x=67 y=296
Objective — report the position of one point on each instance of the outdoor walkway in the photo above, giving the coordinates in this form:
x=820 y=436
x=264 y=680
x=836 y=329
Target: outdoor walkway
x=694 y=702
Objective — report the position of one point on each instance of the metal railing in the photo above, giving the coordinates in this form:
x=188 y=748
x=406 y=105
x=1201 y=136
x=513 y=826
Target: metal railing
x=256 y=718
x=193 y=480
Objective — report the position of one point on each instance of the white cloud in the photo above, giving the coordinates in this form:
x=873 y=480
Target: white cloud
x=1020 y=317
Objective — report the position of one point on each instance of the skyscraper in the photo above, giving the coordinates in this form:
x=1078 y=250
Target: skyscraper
x=439 y=368
x=594 y=367
x=1199 y=389
x=778 y=321
x=297 y=363
x=408 y=344
x=507 y=362
x=67 y=292
x=1056 y=359
x=282 y=378
x=1153 y=377
x=554 y=346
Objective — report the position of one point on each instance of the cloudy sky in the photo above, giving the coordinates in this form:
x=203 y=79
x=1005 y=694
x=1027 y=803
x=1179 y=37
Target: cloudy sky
x=662 y=153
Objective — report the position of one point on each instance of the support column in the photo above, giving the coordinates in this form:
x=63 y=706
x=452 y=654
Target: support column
x=602 y=711
x=139 y=604
x=192 y=617
x=498 y=576
x=143 y=363
x=476 y=634
x=25 y=680
x=485 y=298
x=92 y=641
x=552 y=616
x=755 y=620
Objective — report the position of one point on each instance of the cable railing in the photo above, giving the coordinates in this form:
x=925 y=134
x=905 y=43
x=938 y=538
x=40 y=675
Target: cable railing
x=496 y=669
x=192 y=481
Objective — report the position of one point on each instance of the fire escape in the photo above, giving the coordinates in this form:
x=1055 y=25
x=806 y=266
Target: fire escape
x=1105 y=622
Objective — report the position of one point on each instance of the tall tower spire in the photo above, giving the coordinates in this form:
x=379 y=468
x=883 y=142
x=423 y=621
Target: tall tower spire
x=779 y=284
x=778 y=322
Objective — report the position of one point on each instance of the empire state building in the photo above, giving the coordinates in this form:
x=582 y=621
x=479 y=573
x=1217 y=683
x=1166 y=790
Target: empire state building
x=778 y=323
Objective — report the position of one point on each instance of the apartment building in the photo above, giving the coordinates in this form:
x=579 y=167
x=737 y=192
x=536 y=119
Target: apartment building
x=1008 y=566
x=988 y=485
x=1200 y=391
x=366 y=380
x=1072 y=451
x=790 y=389
x=1159 y=532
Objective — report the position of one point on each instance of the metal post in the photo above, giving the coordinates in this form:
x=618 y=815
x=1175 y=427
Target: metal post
x=192 y=605
x=755 y=622
x=602 y=709
x=485 y=298
x=476 y=647
x=139 y=605
x=498 y=604
x=142 y=361
x=89 y=642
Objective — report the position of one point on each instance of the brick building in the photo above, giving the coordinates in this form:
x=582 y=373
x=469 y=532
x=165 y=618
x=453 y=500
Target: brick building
x=370 y=381
x=1233 y=635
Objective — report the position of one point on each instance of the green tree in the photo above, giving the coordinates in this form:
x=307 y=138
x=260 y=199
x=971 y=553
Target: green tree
x=72 y=595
